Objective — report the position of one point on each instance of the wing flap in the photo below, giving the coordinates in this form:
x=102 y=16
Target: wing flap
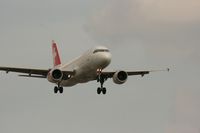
x=30 y=71
x=142 y=73
x=32 y=76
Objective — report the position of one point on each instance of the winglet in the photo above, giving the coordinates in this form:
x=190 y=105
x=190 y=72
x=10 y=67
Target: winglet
x=56 y=57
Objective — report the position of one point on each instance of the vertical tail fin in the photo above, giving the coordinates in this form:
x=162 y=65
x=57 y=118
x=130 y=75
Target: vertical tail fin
x=56 y=57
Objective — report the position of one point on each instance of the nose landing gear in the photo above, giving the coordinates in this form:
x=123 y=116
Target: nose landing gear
x=101 y=78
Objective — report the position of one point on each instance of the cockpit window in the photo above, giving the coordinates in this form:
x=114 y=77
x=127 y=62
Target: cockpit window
x=100 y=50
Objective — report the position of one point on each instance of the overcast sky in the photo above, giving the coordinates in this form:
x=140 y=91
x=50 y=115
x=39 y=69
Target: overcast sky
x=141 y=34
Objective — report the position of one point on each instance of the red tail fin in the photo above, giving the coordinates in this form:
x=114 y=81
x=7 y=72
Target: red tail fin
x=56 y=57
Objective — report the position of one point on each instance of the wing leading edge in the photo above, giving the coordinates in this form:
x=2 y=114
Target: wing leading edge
x=131 y=73
x=36 y=73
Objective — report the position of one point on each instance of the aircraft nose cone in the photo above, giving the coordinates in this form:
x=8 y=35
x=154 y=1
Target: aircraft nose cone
x=106 y=59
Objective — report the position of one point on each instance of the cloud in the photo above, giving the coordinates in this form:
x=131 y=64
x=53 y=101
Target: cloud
x=162 y=24
x=182 y=129
x=187 y=109
x=131 y=16
x=178 y=11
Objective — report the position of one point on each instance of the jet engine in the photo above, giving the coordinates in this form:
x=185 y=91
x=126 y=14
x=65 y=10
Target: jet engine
x=55 y=75
x=120 y=77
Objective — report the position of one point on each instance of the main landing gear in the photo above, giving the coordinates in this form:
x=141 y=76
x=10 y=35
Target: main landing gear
x=101 y=89
x=58 y=89
x=101 y=78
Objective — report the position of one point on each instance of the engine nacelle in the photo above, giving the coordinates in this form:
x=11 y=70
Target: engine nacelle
x=120 y=77
x=55 y=75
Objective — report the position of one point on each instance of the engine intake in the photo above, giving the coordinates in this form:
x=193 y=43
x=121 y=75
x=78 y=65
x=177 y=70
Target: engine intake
x=120 y=77
x=55 y=75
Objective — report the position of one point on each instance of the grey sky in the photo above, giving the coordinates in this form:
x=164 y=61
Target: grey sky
x=141 y=34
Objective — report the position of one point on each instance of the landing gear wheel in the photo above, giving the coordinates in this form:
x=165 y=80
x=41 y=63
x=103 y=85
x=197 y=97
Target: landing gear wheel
x=61 y=89
x=58 y=89
x=55 y=89
x=98 y=90
x=104 y=90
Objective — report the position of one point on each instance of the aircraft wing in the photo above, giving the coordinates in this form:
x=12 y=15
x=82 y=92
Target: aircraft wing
x=131 y=73
x=37 y=73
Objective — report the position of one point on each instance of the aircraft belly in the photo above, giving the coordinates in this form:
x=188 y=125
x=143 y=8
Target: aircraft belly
x=81 y=77
x=68 y=83
x=85 y=76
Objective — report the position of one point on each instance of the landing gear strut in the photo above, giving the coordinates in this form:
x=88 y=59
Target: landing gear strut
x=58 y=88
x=101 y=79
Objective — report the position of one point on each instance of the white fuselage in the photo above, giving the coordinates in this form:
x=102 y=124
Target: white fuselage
x=86 y=66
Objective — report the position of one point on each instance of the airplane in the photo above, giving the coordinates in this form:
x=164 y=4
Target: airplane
x=88 y=67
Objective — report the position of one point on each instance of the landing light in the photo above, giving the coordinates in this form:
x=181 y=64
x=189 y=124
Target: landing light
x=99 y=71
